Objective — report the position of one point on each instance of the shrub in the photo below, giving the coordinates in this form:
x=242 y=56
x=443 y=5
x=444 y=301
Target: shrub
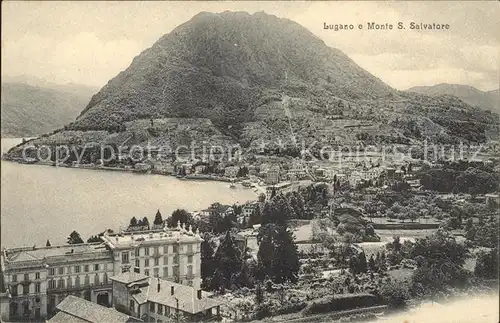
x=339 y=303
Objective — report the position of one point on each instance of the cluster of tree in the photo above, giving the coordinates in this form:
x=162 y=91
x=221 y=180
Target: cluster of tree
x=138 y=224
x=75 y=238
x=450 y=178
x=439 y=260
x=484 y=233
x=225 y=265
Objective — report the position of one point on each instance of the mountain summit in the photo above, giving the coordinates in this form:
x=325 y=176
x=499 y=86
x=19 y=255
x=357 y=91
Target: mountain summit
x=215 y=64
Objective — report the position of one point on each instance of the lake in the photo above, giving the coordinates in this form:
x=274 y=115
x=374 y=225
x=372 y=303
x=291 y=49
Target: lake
x=44 y=202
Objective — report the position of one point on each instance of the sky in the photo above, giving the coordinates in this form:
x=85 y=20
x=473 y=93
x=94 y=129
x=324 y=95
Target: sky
x=91 y=42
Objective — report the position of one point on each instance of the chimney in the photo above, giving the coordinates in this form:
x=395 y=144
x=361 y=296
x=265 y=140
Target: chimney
x=199 y=294
x=171 y=290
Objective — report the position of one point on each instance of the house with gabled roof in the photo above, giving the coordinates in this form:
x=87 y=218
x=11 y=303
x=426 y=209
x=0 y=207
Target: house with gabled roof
x=154 y=299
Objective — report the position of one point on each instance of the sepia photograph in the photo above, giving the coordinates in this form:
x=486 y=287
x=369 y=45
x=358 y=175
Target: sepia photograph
x=250 y=161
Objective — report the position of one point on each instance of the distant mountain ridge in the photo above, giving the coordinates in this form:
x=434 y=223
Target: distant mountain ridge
x=28 y=110
x=486 y=100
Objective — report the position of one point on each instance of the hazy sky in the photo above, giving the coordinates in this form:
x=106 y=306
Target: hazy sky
x=91 y=42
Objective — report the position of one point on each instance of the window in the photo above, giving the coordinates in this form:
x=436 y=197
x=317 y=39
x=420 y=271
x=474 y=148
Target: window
x=77 y=281
x=69 y=282
x=52 y=271
x=146 y=251
x=137 y=252
x=52 y=284
x=96 y=280
x=137 y=263
x=87 y=280
x=37 y=275
x=37 y=287
x=190 y=248
x=190 y=270
x=165 y=272
x=146 y=262
x=176 y=260
x=96 y=267
x=14 y=291
x=60 y=283
x=132 y=305
x=124 y=269
x=86 y=268
x=165 y=260
x=14 y=278
x=105 y=278
x=167 y=310
x=165 y=249
x=160 y=309
x=26 y=277
x=125 y=257
x=157 y=261
x=157 y=251
x=152 y=307
x=176 y=248
x=26 y=289
x=190 y=283
x=190 y=259
x=156 y=272
x=60 y=270
x=146 y=272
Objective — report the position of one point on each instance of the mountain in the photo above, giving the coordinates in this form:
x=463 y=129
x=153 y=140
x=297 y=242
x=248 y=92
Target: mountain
x=234 y=77
x=489 y=100
x=28 y=111
x=216 y=64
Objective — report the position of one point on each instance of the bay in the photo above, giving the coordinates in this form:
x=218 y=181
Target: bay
x=44 y=202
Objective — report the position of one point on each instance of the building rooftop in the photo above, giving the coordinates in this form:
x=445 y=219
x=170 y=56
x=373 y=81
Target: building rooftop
x=159 y=291
x=167 y=235
x=18 y=255
x=129 y=277
x=75 y=309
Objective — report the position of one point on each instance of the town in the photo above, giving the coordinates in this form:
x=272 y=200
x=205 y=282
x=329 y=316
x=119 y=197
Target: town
x=320 y=239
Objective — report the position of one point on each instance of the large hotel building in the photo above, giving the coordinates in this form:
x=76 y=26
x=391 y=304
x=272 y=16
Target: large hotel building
x=36 y=280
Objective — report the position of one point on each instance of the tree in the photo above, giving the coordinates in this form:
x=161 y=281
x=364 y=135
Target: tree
x=487 y=264
x=262 y=197
x=180 y=216
x=74 y=238
x=227 y=262
x=361 y=264
x=259 y=294
x=133 y=222
x=145 y=222
x=158 y=219
x=371 y=264
x=47 y=244
x=207 y=261
x=395 y=294
x=277 y=256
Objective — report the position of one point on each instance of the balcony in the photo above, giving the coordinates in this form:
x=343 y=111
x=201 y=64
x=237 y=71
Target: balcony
x=58 y=290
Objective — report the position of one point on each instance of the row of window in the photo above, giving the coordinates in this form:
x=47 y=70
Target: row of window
x=68 y=282
x=26 y=277
x=166 y=273
x=156 y=261
x=26 y=289
x=156 y=250
x=159 y=308
x=76 y=269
